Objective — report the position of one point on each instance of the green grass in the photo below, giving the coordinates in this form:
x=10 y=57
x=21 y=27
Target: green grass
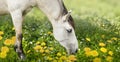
x=96 y=20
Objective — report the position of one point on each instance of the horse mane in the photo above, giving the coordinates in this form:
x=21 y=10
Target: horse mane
x=70 y=19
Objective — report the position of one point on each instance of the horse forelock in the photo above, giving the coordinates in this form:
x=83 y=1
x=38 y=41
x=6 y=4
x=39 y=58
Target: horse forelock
x=70 y=19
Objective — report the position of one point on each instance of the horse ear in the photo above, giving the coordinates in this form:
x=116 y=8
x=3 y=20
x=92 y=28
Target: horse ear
x=68 y=14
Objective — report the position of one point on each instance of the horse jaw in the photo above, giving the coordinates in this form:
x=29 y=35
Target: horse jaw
x=67 y=40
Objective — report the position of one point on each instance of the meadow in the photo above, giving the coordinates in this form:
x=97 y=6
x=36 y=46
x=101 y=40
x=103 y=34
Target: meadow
x=97 y=26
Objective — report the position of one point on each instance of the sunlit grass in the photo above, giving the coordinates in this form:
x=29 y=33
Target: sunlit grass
x=97 y=29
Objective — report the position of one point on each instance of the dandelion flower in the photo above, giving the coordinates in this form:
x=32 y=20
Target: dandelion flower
x=109 y=58
x=59 y=60
x=110 y=41
x=110 y=53
x=51 y=48
x=69 y=61
x=7 y=42
x=55 y=60
x=45 y=47
x=63 y=58
x=103 y=36
x=72 y=58
x=3 y=55
x=13 y=40
x=5 y=49
x=88 y=39
x=49 y=58
x=49 y=32
x=13 y=28
x=43 y=44
x=64 y=53
x=102 y=44
x=1 y=32
x=86 y=49
x=104 y=50
x=59 y=54
x=37 y=43
x=38 y=47
x=1 y=37
x=41 y=50
x=114 y=38
x=88 y=53
x=97 y=60
x=94 y=53
x=47 y=51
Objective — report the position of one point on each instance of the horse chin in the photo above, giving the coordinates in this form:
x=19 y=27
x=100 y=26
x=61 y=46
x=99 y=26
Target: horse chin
x=71 y=48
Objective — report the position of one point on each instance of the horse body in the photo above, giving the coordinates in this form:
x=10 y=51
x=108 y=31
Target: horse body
x=55 y=10
x=3 y=7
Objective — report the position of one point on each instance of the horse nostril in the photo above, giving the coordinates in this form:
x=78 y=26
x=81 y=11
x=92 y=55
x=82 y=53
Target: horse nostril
x=69 y=30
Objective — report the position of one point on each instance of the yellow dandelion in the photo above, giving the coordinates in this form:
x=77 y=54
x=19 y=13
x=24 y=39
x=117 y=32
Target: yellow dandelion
x=109 y=58
x=110 y=41
x=41 y=50
x=51 y=48
x=55 y=60
x=3 y=55
x=13 y=28
x=43 y=54
x=59 y=54
x=38 y=47
x=49 y=58
x=49 y=32
x=37 y=43
x=88 y=39
x=72 y=58
x=47 y=51
x=1 y=32
x=86 y=49
x=103 y=36
x=13 y=40
x=104 y=50
x=114 y=38
x=43 y=44
x=88 y=53
x=63 y=58
x=69 y=61
x=110 y=53
x=5 y=49
x=1 y=37
x=102 y=44
x=97 y=60
x=60 y=60
x=94 y=53
x=64 y=53
x=7 y=42
x=45 y=47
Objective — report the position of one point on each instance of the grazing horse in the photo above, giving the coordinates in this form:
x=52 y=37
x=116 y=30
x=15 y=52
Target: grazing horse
x=60 y=18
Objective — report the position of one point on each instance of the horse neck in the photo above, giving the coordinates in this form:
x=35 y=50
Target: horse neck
x=52 y=8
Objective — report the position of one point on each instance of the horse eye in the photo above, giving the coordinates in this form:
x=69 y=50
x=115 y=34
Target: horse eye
x=69 y=30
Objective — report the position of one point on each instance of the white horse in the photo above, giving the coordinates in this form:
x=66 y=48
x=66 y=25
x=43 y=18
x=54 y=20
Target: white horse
x=60 y=18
